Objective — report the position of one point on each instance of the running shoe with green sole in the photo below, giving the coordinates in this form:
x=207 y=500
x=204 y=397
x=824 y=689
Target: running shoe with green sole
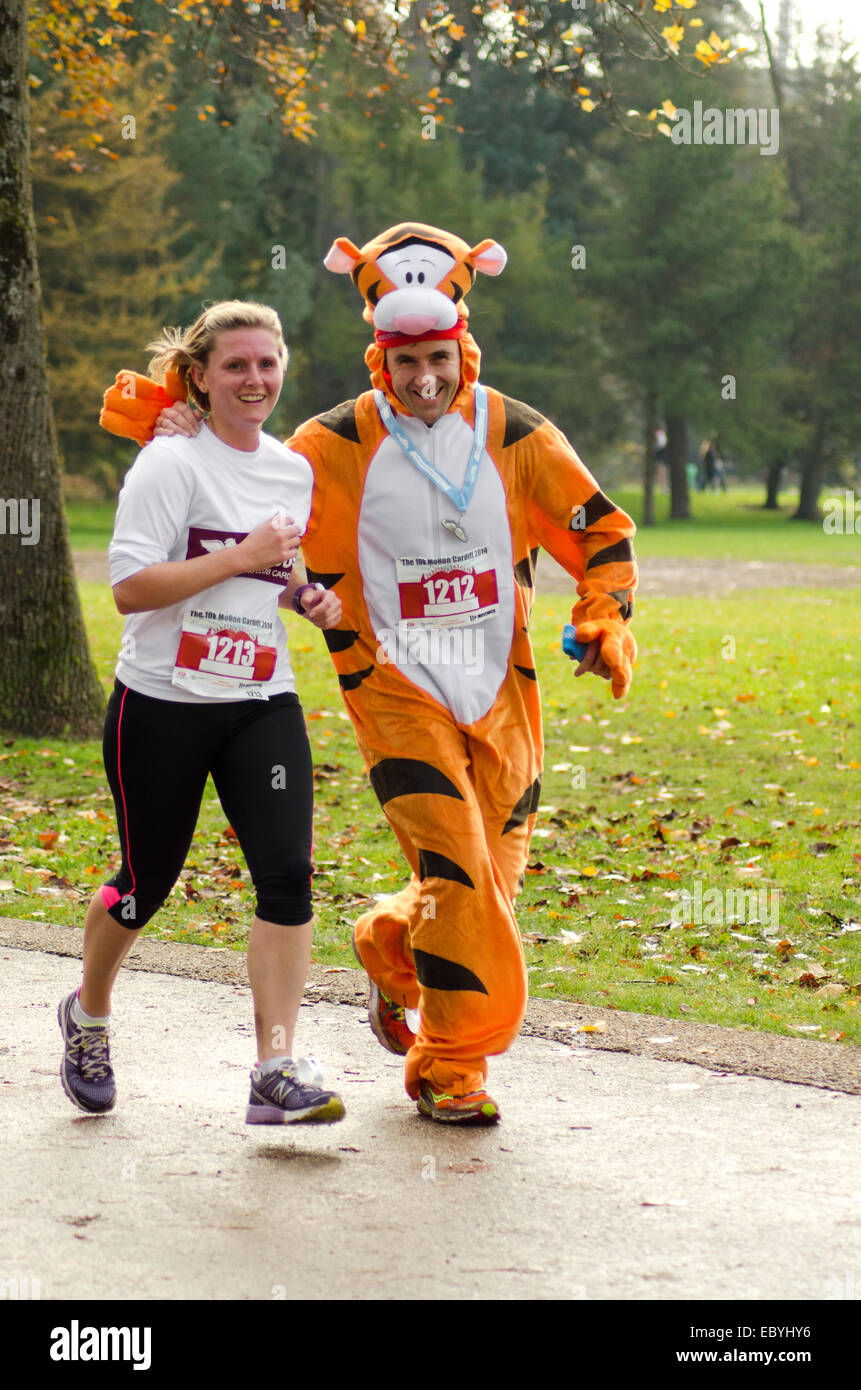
x=478 y=1108
x=281 y=1097
x=392 y=1025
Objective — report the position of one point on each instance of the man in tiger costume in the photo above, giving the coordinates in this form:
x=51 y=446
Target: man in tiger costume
x=432 y=495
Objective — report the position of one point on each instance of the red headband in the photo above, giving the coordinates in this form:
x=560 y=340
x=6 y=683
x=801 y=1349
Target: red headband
x=388 y=340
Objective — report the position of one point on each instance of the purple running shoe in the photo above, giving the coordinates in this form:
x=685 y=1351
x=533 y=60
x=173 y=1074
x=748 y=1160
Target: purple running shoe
x=284 y=1097
x=85 y=1070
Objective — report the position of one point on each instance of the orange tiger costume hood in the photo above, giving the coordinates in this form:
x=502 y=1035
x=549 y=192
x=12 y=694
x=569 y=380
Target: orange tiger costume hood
x=413 y=279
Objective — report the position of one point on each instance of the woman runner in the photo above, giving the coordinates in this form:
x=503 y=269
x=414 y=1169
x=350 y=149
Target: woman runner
x=206 y=533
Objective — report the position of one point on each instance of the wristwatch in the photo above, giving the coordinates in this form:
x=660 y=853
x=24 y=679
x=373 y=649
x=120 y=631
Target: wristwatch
x=297 y=598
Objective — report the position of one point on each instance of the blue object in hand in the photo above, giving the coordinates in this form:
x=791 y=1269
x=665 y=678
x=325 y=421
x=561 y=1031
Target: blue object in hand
x=570 y=645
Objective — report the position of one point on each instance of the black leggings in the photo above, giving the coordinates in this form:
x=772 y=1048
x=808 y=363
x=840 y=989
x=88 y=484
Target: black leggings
x=157 y=757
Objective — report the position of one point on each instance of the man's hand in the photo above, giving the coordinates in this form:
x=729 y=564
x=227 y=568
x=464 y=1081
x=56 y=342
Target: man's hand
x=618 y=652
x=593 y=662
x=323 y=607
x=178 y=419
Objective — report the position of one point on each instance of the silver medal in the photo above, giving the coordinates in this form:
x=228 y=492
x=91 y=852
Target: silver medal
x=456 y=529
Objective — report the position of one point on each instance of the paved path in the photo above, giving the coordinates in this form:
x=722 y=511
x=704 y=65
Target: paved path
x=614 y=1175
x=678 y=576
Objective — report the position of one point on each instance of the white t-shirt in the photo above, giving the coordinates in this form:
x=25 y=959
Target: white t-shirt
x=183 y=498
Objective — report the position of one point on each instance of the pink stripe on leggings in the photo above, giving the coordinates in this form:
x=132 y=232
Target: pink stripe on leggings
x=110 y=895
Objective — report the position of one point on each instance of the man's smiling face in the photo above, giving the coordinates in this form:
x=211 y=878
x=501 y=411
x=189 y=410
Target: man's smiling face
x=425 y=376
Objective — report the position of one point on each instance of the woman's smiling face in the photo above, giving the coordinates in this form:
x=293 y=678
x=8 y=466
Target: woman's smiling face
x=243 y=379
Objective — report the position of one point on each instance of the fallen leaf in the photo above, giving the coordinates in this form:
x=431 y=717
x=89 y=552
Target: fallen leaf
x=810 y=975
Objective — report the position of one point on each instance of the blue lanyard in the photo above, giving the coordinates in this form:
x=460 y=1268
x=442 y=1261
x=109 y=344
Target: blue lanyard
x=460 y=497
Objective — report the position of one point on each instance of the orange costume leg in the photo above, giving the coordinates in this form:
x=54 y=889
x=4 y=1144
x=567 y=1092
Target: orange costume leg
x=462 y=806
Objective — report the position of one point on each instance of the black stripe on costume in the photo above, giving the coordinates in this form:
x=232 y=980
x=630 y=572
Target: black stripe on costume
x=339 y=639
x=625 y=601
x=435 y=972
x=327 y=580
x=353 y=679
x=520 y=420
x=433 y=865
x=527 y=671
x=593 y=509
x=411 y=235
x=523 y=574
x=408 y=776
x=342 y=420
x=527 y=804
x=617 y=554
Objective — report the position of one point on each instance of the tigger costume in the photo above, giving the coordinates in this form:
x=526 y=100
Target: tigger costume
x=454 y=755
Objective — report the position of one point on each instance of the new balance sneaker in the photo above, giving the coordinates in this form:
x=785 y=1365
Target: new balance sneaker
x=478 y=1108
x=392 y=1025
x=289 y=1094
x=85 y=1070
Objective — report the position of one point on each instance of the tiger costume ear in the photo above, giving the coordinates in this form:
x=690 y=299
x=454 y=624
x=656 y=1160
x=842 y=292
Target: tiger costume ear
x=489 y=257
x=342 y=257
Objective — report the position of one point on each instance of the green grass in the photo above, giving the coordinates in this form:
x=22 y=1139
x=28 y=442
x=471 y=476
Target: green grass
x=91 y=524
x=735 y=761
x=731 y=525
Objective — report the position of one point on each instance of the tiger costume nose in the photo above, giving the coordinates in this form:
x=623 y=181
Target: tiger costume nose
x=414 y=323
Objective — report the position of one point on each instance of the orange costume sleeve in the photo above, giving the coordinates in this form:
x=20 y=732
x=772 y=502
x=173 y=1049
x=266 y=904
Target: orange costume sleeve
x=591 y=538
x=133 y=404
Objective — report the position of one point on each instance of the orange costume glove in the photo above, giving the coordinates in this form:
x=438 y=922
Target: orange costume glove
x=618 y=649
x=132 y=406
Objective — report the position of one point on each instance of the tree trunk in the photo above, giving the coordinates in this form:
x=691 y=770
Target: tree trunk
x=48 y=684
x=649 y=464
x=677 y=462
x=811 y=477
x=772 y=485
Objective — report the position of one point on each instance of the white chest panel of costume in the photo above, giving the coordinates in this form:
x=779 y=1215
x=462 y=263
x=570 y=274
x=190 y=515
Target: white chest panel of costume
x=401 y=516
